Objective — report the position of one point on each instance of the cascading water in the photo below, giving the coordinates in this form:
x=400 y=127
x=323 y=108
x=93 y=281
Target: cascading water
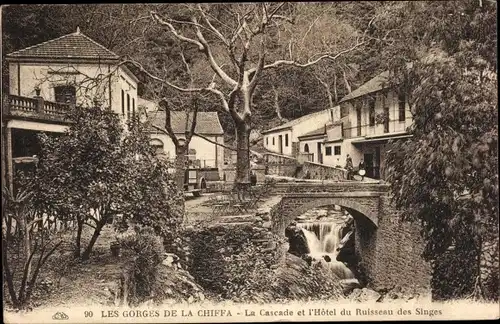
x=323 y=240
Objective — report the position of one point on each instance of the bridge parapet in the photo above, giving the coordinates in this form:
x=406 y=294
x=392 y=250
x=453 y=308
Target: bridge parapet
x=331 y=187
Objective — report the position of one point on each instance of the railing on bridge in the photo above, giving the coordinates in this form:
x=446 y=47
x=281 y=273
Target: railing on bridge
x=36 y=108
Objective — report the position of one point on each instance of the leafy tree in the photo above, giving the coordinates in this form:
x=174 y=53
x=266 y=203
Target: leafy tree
x=97 y=172
x=446 y=175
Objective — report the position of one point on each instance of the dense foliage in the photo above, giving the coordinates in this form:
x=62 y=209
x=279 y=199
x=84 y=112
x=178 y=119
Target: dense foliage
x=97 y=172
x=446 y=175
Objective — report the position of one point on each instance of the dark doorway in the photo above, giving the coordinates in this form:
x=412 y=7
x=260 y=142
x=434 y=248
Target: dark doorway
x=280 y=144
x=376 y=164
x=368 y=159
x=25 y=143
x=320 y=155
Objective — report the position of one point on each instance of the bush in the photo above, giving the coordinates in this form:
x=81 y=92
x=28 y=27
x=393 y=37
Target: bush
x=230 y=261
x=140 y=280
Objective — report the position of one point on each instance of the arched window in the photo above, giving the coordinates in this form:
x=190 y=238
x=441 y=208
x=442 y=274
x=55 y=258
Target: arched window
x=306 y=148
x=157 y=145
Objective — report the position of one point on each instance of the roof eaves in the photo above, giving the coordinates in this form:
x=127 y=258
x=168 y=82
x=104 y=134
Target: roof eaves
x=311 y=136
x=74 y=59
x=129 y=73
x=275 y=129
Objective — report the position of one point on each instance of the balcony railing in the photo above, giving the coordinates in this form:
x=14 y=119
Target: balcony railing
x=36 y=108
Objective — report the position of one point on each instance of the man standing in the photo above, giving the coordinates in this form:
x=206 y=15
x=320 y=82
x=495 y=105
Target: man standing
x=349 y=167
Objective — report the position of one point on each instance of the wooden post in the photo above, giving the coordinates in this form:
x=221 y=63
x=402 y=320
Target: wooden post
x=9 y=170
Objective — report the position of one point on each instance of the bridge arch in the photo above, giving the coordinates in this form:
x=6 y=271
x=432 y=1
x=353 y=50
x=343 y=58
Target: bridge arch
x=354 y=206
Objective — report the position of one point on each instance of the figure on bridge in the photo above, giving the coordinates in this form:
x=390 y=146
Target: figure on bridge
x=361 y=169
x=349 y=167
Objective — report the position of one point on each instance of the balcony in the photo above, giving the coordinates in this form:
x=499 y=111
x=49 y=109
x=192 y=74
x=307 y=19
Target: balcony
x=35 y=109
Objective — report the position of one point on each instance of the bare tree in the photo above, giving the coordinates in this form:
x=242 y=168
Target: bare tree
x=233 y=39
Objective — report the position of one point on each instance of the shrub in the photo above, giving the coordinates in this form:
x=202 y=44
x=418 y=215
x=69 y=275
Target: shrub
x=230 y=261
x=140 y=280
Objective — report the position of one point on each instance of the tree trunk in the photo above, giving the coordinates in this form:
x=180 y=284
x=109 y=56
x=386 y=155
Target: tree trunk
x=243 y=153
x=180 y=166
x=78 y=242
x=100 y=224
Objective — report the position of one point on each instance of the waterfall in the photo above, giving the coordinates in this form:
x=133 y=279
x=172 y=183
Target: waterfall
x=323 y=240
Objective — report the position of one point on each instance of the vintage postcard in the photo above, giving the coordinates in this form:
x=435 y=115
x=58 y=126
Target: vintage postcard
x=250 y=162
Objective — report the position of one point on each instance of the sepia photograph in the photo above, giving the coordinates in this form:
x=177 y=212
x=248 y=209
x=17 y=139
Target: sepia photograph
x=250 y=162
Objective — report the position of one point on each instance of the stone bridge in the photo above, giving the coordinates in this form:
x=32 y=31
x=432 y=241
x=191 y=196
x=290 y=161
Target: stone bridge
x=388 y=249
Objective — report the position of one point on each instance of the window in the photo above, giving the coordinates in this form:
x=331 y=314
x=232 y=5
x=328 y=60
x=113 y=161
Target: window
x=336 y=150
x=65 y=94
x=344 y=111
x=128 y=106
x=371 y=107
x=286 y=139
x=273 y=140
x=123 y=103
x=401 y=106
x=133 y=107
x=328 y=150
x=267 y=141
x=306 y=148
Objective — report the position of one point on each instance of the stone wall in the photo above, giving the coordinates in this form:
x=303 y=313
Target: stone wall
x=280 y=165
x=229 y=173
x=394 y=258
x=489 y=266
x=329 y=187
x=322 y=172
x=226 y=256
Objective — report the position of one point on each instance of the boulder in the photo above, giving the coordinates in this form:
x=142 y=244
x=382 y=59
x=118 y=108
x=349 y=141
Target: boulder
x=349 y=285
x=365 y=295
x=297 y=240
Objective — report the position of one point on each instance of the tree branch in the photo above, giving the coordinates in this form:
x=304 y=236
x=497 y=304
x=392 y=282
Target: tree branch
x=280 y=63
x=212 y=28
x=208 y=53
x=216 y=143
x=172 y=29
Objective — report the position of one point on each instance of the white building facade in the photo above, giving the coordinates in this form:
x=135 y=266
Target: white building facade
x=73 y=69
x=284 y=139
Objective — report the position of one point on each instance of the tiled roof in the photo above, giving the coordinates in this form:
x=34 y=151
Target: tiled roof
x=206 y=122
x=376 y=84
x=75 y=45
x=319 y=131
x=294 y=122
